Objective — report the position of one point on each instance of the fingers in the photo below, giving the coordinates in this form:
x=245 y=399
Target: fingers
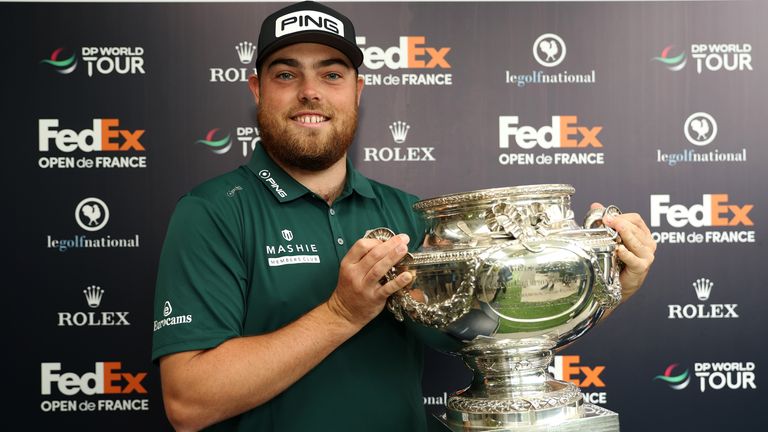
x=634 y=234
x=383 y=256
x=401 y=281
x=359 y=250
x=634 y=263
x=636 y=251
x=637 y=221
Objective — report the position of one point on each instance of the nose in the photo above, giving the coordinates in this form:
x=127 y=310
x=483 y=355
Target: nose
x=308 y=91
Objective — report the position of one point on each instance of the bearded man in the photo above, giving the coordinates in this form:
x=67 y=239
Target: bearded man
x=269 y=307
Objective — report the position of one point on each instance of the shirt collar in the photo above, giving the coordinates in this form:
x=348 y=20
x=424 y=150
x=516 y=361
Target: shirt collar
x=357 y=182
x=285 y=188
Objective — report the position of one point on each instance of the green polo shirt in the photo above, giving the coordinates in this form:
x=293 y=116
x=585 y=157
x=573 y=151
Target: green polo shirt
x=251 y=251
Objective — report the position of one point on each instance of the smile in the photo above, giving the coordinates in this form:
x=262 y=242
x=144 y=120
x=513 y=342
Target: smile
x=310 y=119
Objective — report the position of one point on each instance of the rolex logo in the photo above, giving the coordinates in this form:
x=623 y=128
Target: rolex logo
x=399 y=131
x=93 y=295
x=245 y=51
x=703 y=288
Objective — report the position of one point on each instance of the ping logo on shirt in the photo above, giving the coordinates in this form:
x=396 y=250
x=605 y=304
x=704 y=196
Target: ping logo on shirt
x=266 y=177
x=307 y=20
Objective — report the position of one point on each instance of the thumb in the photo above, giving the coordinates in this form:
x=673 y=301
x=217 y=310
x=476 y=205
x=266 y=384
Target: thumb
x=596 y=205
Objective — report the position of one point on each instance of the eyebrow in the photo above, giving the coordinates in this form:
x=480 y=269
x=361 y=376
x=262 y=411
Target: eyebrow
x=321 y=64
x=331 y=62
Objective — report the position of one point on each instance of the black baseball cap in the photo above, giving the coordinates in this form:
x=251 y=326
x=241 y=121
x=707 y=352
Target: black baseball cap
x=308 y=22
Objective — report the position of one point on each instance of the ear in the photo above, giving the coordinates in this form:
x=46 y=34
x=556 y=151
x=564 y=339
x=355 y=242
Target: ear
x=359 y=89
x=253 y=84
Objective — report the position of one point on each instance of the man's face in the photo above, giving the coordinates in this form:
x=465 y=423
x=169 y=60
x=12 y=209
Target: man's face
x=308 y=95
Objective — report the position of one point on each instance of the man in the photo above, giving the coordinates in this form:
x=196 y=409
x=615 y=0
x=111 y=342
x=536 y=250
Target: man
x=268 y=307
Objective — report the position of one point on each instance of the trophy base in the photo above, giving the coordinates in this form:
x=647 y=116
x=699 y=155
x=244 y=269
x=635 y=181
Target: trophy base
x=595 y=419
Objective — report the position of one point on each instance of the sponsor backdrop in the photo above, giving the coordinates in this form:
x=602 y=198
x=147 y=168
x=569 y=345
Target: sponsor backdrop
x=113 y=111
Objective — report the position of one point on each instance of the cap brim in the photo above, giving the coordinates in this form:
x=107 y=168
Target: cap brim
x=353 y=53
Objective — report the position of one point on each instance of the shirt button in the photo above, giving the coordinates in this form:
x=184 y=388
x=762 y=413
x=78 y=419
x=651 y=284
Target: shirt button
x=340 y=241
x=332 y=212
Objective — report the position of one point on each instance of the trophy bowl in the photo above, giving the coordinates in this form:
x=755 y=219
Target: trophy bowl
x=510 y=274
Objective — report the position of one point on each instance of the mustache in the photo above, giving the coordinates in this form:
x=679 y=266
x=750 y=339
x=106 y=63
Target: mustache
x=313 y=106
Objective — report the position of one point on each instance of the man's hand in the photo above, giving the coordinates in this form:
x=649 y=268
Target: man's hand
x=636 y=251
x=359 y=296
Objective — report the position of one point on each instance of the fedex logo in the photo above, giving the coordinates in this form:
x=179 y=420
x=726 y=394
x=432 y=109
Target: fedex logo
x=567 y=369
x=714 y=210
x=563 y=132
x=103 y=136
x=105 y=379
x=410 y=54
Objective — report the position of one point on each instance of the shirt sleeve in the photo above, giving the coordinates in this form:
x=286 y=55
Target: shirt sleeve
x=201 y=282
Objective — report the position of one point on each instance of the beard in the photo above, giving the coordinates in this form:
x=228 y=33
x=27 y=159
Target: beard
x=310 y=149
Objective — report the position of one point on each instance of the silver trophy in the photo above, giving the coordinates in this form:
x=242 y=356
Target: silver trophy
x=510 y=274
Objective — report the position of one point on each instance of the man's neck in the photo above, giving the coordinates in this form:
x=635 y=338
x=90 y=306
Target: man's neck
x=327 y=184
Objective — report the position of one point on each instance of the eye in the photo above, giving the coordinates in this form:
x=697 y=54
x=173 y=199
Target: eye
x=333 y=76
x=284 y=76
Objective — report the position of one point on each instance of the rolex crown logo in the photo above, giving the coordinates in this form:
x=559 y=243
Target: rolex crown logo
x=245 y=51
x=703 y=288
x=93 y=295
x=399 y=131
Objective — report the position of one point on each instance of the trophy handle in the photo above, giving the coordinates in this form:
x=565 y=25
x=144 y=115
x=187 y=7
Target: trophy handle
x=594 y=219
x=603 y=262
x=439 y=314
x=610 y=295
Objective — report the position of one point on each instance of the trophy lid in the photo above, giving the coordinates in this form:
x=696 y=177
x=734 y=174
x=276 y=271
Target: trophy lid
x=481 y=195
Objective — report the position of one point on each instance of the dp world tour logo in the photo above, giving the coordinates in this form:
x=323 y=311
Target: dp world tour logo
x=677 y=382
x=217 y=146
x=675 y=63
x=59 y=63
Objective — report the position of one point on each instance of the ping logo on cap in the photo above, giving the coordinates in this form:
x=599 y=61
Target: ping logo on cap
x=307 y=20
